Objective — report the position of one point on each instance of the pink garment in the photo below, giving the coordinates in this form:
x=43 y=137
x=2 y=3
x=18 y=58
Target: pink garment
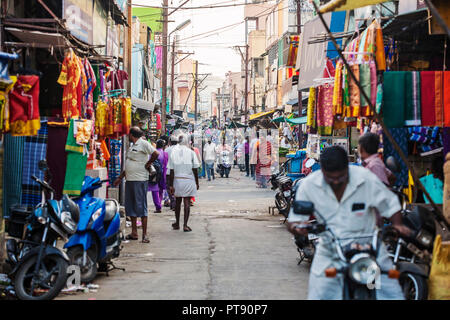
x=376 y=165
x=373 y=83
x=159 y=54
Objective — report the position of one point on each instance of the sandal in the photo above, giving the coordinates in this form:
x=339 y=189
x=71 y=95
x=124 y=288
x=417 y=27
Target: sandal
x=130 y=237
x=175 y=226
x=187 y=229
x=145 y=240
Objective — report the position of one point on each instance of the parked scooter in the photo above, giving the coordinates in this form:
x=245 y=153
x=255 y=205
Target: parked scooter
x=97 y=239
x=360 y=268
x=39 y=267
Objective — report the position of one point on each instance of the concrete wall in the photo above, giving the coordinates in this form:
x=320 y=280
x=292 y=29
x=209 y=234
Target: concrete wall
x=257 y=43
x=258 y=10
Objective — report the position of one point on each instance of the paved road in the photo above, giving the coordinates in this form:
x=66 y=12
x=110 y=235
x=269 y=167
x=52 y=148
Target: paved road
x=237 y=250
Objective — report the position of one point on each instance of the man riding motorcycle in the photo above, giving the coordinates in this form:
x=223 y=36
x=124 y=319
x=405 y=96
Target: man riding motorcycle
x=347 y=197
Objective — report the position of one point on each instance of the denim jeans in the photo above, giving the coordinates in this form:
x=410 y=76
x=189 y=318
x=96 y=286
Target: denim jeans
x=252 y=170
x=210 y=170
x=247 y=164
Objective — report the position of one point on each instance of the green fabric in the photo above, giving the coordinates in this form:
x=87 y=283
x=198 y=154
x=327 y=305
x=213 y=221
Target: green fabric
x=364 y=79
x=346 y=97
x=96 y=93
x=394 y=99
x=75 y=172
x=279 y=119
x=71 y=144
x=434 y=187
x=300 y=120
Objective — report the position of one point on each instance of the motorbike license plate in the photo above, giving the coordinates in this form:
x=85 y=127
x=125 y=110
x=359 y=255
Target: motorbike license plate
x=312 y=236
x=287 y=193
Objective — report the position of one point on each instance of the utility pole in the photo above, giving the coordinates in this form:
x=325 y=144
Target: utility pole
x=218 y=105
x=246 y=83
x=173 y=76
x=164 y=65
x=196 y=90
x=129 y=47
x=299 y=30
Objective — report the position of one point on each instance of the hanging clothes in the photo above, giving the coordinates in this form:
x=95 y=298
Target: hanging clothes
x=101 y=119
x=412 y=87
x=5 y=109
x=401 y=137
x=337 y=90
x=394 y=98
x=365 y=81
x=24 y=106
x=76 y=164
x=126 y=115
x=91 y=85
x=325 y=109
x=373 y=82
x=439 y=98
x=310 y=114
x=69 y=78
x=446 y=98
x=428 y=97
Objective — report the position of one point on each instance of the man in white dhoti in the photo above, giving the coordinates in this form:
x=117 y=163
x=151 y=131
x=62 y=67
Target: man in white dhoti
x=183 y=180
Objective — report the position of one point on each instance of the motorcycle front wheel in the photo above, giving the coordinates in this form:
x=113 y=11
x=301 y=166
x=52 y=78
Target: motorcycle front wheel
x=88 y=272
x=49 y=282
x=282 y=205
x=414 y=287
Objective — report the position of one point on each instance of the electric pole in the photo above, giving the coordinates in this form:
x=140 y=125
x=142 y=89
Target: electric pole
x=246 y=82
x=164 y=65
x=218 y=105
x=299 y=30
x=172 y=80
x=196 y=90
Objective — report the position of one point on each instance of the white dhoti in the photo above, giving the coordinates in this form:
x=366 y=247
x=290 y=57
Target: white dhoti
x=185 y=186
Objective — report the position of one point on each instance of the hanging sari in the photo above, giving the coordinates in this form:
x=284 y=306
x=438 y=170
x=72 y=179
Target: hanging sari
x=310 y=114
x=337 y=90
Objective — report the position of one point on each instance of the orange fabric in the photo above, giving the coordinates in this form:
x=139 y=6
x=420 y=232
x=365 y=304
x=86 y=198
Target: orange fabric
x=337 y=92
x=69 y=78
x=439 y=109
x=379 y=53
x=126 y=115
x=446 y=98
x=105 y=151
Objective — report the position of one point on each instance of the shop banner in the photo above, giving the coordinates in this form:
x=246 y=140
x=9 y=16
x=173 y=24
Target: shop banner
x=78 y=15
x=312 y=56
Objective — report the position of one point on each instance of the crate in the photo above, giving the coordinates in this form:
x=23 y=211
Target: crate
x=17 y=221
x=295 y=165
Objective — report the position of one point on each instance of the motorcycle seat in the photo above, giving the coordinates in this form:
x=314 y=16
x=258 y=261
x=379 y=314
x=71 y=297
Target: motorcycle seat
x=111 y=208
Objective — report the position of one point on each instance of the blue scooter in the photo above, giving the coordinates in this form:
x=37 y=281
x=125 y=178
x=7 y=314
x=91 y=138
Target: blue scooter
x=97 y=239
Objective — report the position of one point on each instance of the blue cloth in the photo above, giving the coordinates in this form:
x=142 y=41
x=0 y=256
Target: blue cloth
x=136 y=198
x=434 y=187
x=400 y=135
x=114 y=164
x=34 y=150
x=210 y=170
x=12 y=177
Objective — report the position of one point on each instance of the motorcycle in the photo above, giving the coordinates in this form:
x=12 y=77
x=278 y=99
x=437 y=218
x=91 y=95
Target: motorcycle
x=39 y=268
x=411 y=255
x=97 y=239
x=225 y=163
x=360 y=268
x=283 y=185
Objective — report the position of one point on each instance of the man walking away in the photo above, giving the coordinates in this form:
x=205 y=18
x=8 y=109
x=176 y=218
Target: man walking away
x=173 y=142
x=136 y=174
x=210 y=158
x=253 y=157
x=247 y=157
x=157 y=188
x=183 y=179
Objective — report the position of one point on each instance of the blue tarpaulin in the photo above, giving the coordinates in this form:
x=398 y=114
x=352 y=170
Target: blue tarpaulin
x=337 y=25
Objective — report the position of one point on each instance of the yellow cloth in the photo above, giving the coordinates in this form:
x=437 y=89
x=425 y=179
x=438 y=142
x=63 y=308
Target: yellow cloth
x=342 y=5
x=337 y=91
x=4 y=105
x=310 y=114
x=439 y=279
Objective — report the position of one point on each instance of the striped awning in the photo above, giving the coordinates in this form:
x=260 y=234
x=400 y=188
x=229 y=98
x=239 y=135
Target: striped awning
x=341 y=5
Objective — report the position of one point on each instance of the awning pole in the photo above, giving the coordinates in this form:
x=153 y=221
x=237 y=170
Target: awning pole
x=380 y=120
x=438 y=17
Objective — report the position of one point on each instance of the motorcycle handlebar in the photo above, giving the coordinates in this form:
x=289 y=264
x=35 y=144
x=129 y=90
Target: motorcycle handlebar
x=44 y=184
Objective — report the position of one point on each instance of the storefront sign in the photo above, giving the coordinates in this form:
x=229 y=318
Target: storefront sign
x=78 y=15
x=312 y=56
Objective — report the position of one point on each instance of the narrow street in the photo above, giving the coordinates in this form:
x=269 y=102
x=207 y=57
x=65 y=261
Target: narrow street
x=237 y=250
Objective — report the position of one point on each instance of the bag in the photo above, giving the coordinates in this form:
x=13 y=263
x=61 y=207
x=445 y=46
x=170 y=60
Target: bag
x=439 y=280
x=155 y=172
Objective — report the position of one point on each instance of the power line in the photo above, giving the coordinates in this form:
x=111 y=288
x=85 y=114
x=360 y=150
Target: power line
x=213 y=6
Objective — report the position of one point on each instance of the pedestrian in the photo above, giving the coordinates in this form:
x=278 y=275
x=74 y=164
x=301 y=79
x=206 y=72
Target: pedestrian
x=183 y=180
x=263 y=149
x=253 y=155
x=224 y=158
x=210 y=158
x=173 y=142
x=136 y=174
x=247 y=156
x=199 y=157
x=157 y=188
x=368 y=145
x=346 y=197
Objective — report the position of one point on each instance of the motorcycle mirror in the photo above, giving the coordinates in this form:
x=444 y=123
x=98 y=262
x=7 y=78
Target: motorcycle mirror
x=304 y=208
x=42 y=165
x=392 y=164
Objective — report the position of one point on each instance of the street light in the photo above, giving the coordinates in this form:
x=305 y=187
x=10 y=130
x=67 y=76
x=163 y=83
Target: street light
x=179 y=27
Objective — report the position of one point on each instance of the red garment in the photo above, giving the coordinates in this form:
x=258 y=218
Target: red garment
x=439 y=99
x=428 y=94
x=158 y=122
x=24 y=106
x=118 y=78
x=263 y=164
x=325 y=109
x=446 y=90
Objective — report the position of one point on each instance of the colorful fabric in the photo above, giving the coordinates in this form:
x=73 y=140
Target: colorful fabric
x=5 y=110
x=412 y=86
x=75 y=172
x=24 y=106
x=12 y=178
x=310 y=114
x=35 y=149
x=71 y=144
x=434 y=187
x=91 y=85
x=69 y=78
x=439 y=98
x=379 y=47
x=96 y=91
x=364 y=77
x=400 y=135
x=101 y=118
x=346 y=96
x=394 y=98
x=56 y=155
x=82 y=130
x=126 y=115
x=373 y=82
x=446 y=140
x=427 y=85
x=114 y=164
x=337 y=91
x=446 y=98
x=325 y=109
x=427 y=138
x=355 y=101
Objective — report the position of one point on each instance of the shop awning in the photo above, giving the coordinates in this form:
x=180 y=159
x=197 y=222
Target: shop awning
x=279 y=119
x=342 y=5
x=39 y=38
x=292 y=102
x=142 y=104
x=301 y=120
x=260 y=114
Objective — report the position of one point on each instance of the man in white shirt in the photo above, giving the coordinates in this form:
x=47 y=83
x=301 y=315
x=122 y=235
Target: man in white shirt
x=136 y=174
x=183 y=180
x=209 y=155
x=253 y=157
x=173 y=142
x=347 y=198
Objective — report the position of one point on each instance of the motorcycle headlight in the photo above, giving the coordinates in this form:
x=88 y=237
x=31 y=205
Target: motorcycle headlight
x=363 y=269
x=68 y=223
x=96 y=214
x=424 y=238
x=41 y=220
